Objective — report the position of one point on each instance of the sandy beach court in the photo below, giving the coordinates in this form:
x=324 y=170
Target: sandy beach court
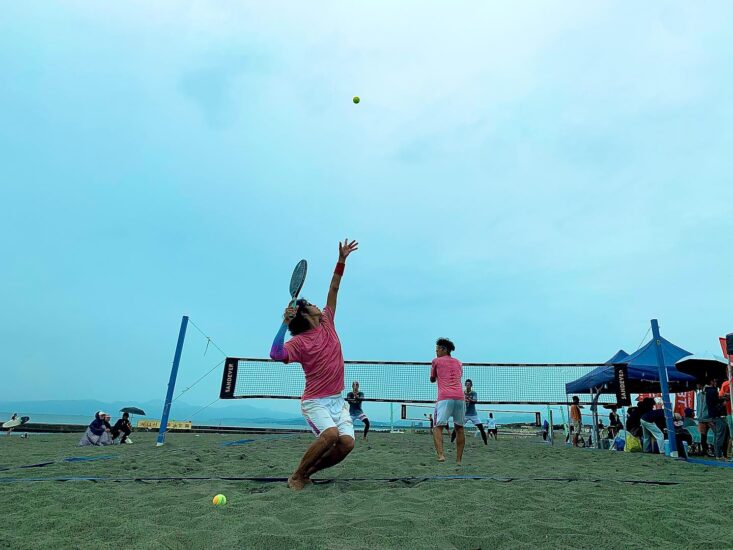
x=533 y=495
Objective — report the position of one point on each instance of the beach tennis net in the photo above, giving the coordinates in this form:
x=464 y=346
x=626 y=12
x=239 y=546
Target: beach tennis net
x=418 y=412
x=408 y=382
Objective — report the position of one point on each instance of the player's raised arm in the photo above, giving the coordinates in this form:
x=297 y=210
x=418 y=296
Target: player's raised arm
x=278 y=351
x=345 y=249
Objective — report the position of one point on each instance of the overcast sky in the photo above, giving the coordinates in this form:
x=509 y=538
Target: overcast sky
x=535 y=181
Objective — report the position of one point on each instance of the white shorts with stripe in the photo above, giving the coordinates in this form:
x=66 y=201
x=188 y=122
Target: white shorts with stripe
x=327 y=412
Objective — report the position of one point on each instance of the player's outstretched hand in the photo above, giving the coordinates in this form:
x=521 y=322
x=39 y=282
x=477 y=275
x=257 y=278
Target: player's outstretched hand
x=346 y=248
x=289 y=314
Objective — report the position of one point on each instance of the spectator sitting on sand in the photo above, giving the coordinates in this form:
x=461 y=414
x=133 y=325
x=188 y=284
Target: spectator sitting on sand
x=689 y=419
x=124 y=427
x=633 y=422
x=681 y=435
x=97 y=433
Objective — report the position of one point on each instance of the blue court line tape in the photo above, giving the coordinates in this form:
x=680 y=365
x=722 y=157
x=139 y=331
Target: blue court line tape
x=266 y=438
x=716 y=463
x=408 y=479
x=88 y=458
x=68 y=459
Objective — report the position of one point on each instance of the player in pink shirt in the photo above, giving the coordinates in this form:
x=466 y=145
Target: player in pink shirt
x=447 y=372
x=316 y=346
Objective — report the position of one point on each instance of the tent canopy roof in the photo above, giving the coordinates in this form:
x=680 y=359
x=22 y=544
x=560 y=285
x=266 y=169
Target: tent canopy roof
x=643 y=374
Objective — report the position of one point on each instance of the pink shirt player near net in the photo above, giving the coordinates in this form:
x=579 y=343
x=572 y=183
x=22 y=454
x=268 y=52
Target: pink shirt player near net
x=448 y=372
x=318 y=350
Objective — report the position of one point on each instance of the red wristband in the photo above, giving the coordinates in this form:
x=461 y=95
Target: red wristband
x=339 y=268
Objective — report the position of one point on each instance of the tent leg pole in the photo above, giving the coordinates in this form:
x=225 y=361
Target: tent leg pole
x=664 y=383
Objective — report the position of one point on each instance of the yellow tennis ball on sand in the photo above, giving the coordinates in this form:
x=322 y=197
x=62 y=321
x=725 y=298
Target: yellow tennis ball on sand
x=356 y=99
x=219 y=500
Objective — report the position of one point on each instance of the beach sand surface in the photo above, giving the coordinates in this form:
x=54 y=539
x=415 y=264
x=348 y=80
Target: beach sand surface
x=537 y=495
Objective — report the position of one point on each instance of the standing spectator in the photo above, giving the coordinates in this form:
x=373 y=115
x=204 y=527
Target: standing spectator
x=716 y=412
x=614 y=424
x=703 y=418
x=545 y=429
x=725 y=397
x=576 y=420
x=491 y=427
x=14 y=417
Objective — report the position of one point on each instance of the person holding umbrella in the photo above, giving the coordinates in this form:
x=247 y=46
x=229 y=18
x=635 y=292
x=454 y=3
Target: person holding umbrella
x=123 y=426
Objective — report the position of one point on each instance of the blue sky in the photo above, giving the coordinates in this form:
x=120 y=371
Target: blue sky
x=536 y=182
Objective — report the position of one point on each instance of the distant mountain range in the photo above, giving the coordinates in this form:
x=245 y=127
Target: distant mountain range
x=154 y=409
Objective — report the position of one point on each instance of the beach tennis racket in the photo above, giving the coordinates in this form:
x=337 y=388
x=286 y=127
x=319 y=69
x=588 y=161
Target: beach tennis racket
x=296 y=280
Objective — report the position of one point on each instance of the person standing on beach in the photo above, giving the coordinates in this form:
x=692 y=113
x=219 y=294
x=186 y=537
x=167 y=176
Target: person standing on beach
x=491 y=426
x=447 y=372
x=316 y=346
x=354 y=398
x=14 y=417
x=471 y=397
x=576 y=419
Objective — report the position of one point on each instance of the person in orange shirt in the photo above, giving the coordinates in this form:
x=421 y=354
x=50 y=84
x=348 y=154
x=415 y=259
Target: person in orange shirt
x=576 y=420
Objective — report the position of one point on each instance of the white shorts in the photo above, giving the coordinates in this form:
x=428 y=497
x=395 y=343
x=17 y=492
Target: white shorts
x=446 y=408
x=360 y=416
x=474 y=419
x=327 y=412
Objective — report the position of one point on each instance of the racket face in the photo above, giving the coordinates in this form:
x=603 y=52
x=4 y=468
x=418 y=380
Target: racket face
x=298 y=278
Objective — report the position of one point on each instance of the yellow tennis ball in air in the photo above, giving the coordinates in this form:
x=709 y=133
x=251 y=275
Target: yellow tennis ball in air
x=219 y=500
x=356 y=99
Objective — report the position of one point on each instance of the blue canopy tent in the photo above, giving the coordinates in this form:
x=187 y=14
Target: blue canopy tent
x=643 y=373
x=597 y=377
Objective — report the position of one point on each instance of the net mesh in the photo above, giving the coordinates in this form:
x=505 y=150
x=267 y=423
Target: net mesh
x=418 y=412
x=408 y=382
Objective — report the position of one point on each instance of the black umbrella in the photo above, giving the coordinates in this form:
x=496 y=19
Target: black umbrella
x=703 y=367
x=132 y=410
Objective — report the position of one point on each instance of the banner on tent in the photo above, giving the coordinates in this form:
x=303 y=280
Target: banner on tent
x=621 y=373
x=684 y=401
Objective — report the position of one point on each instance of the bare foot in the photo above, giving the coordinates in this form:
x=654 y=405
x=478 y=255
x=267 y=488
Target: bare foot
x=296 y=484
x=441 y=458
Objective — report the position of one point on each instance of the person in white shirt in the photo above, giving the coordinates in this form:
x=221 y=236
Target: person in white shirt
x=491 y=426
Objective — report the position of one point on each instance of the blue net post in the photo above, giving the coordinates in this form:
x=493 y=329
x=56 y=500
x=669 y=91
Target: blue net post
x=172 y=382
x=664 y=382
